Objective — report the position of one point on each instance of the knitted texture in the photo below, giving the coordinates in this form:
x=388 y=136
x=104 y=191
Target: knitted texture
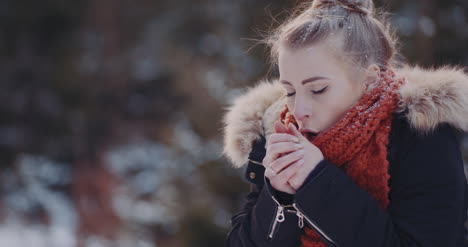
x=357 y=143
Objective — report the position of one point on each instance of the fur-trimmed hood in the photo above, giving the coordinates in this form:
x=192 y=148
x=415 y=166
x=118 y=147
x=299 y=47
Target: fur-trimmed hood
x=431 y=96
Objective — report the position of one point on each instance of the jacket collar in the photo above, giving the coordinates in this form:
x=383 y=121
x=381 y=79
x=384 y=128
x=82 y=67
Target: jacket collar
x=431 y=96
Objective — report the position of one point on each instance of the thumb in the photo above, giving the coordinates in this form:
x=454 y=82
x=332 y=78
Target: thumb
x=280 y=127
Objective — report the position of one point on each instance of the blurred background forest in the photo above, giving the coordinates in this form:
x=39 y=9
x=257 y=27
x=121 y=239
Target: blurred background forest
x=111 y=110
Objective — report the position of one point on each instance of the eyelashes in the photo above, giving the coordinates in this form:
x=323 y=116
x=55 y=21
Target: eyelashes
x=314 y=92
x=320 y=91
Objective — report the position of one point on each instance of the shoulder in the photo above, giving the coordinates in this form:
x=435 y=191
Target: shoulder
x=404 y=135
x=432 y=109
x=431 y=97
x=434 y=154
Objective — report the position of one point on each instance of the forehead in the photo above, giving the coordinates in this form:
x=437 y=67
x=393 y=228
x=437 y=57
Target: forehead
x=315 y=60
x=325 y=58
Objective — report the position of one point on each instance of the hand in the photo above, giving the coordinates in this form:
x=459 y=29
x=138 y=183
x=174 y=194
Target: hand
x=283 y=155
x=312 y=157
x=289 y=168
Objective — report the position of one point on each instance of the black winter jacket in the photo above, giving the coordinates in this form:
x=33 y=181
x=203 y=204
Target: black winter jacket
x=428 y=188
x=428 y=199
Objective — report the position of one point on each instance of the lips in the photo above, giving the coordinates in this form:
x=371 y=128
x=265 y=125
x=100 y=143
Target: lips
x=309 y=134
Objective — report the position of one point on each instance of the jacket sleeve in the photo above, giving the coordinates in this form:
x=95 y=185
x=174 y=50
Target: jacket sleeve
x=427 y=193
x=254 y=225
x=286 y=198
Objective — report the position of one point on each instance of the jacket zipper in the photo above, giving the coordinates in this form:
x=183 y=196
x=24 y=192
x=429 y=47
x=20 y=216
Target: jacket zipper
x=279 y=217
x=301 y=216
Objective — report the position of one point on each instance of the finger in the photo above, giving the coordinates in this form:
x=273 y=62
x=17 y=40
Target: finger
x=269 y=173
x=280 y=184
x=286 y=129
x=289 y=189
x=284 y=147
x=282 y=177
x=280 y=127
x=281 y=137
x=280 y=149
x=296 y=178
x=285 y=186
x=295 y=132
x=279 y=164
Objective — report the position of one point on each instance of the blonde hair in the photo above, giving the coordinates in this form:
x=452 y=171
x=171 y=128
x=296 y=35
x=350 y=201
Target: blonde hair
x=365 y=39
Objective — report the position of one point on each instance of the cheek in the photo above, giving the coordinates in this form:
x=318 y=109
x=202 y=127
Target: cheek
x=345 y=96
x=290 y=103
x=332 y=110
x=304 y=102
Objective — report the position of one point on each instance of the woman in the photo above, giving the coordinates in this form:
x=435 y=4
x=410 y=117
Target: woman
x=346 y=148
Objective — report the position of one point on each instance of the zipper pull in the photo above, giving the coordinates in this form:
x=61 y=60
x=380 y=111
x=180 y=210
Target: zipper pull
x=302 y=216
x=278 y=219
x=300 y=219
x=280 y=214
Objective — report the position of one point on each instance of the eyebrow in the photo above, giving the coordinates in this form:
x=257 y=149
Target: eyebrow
x=312 y=79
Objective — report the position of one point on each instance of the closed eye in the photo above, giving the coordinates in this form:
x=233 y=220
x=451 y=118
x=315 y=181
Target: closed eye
x=320 y=91
x=314 y=92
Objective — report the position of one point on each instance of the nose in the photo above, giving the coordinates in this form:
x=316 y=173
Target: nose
x=301 y=110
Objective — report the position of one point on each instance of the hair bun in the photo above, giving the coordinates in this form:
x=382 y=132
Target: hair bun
x=365 y=7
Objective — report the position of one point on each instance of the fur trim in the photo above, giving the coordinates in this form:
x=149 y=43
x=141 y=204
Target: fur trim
x=243 y=123
x=435 y=96
x=431 y=96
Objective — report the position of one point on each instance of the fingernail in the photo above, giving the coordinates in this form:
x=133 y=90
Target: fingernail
x=300 y=162
x=300 y=152
x=295 y=139
x=298 y=146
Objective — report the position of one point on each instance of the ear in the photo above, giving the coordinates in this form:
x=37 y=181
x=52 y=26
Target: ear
x=372 y=76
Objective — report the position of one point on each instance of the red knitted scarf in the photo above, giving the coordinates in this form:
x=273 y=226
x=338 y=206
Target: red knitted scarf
x=357 y=143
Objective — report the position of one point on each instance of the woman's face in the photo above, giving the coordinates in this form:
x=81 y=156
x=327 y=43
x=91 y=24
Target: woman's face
x=320 y=88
